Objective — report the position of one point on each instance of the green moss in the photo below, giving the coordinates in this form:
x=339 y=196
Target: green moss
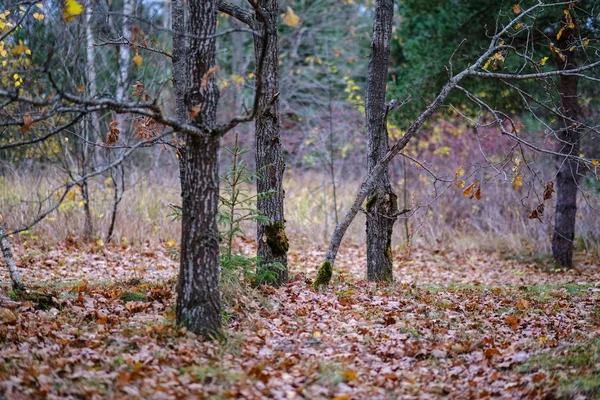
x=388 y=251
x=42 y=301
x=132 y=296
x=323 y=275
x=371 y=201
x=277 y=239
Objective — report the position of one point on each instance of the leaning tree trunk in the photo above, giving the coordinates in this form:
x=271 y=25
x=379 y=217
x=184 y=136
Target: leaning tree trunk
x=272 y=240
x=382 y=203
x=198 y=297
x=568 y=172
x=15 y=276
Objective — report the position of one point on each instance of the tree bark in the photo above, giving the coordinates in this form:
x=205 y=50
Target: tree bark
x=382 y=203
x=271 y=238
x=124 y=62
x=15 y=276
x=198 y=297
x=568 y=171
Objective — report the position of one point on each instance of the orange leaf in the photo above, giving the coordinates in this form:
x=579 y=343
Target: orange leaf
x=491 y=352
x=195 y=111
x=27 y=121
x=467 y=192
x=517 y=9
x=540 y=376
x=478 y=192
x=512 y=321
x=207 y=75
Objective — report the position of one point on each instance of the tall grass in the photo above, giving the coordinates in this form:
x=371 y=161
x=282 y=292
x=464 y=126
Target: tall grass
x=498 y=222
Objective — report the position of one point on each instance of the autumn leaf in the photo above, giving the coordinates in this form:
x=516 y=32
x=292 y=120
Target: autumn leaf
x=137 y=59
x=195 y=111
x=459 y=172
x=207 y=75
x=585 y=41
x=468 y=191
x=516 y=9
x=27 y=121
x=71 y=9
x=491 y=352
x=512 y=321
x=548 y=190
x=540 y=376
x=518 y=26
x=478 y=192
x=595 y=163
x=350 y=375
x=112 y=136
x=20 y=49
x=291 y=18
x=544 y=60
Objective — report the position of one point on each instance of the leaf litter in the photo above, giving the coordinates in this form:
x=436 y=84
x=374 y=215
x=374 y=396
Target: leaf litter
x=461 y=325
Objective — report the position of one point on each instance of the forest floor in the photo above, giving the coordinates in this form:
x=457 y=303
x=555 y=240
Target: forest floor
x=98 y=322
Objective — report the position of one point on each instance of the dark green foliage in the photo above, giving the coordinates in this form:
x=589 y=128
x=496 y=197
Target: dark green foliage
x=323 y=275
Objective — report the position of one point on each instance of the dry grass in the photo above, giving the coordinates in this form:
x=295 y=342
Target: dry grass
x=499 y=222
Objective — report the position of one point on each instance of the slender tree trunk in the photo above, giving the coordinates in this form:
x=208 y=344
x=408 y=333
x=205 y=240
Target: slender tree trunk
x=15 y=276
x=382 y=203
x=568 y=172
x=85 y=194
x=91 y=66
x=124 y=61
x=272 y=240
x=198 y=297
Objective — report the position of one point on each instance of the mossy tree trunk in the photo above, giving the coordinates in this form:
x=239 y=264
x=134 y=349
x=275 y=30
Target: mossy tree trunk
x=382 y=205
x=198 y=296
x=271 y=237
x=568 y=171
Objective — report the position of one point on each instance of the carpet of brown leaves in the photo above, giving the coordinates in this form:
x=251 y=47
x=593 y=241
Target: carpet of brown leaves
x=456 y=325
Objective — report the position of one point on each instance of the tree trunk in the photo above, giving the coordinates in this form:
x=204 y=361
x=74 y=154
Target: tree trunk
x=568 y=171
x=271 y=238
x=15 y=276
x=198 y=297
x=124 y=63
x=382 y=203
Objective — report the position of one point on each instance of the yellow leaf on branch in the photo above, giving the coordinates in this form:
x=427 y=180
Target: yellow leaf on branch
x=291 y=18
x=71 y=9
x=137 y=59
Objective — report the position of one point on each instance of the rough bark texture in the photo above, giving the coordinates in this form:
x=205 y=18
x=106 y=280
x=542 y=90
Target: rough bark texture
x=271 y=238
x=568 y=173
x=15 y=276
x=382 y=204
x=198 y=297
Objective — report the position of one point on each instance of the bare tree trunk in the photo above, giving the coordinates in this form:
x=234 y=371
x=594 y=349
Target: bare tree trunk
x=272 y=241
x=15 y=276
x=568 y=172
x=91 y=66
x=198 y=297
x=88 y=230
x=382 y=204
x=118 y=196
x=124 y=61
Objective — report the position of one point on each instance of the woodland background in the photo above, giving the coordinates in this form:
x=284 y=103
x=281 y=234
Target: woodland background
x=478 y=307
